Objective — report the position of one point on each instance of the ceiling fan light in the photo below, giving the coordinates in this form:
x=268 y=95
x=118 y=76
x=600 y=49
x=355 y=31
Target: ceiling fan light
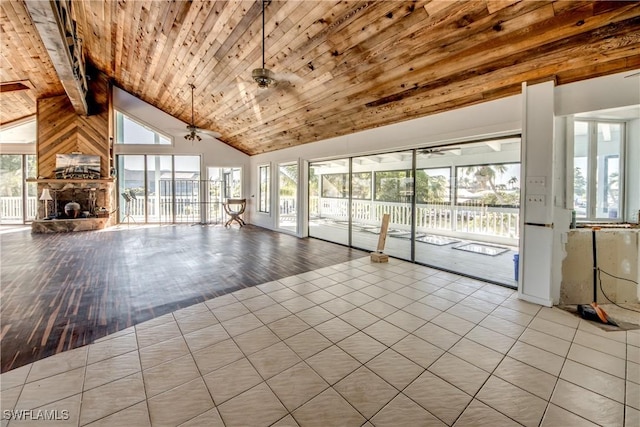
x=263 y=76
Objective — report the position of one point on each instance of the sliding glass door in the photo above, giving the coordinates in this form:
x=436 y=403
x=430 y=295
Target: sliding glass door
x=288 y=197
x=18 y=198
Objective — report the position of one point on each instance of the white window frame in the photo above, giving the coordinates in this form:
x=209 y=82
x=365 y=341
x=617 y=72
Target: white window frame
x=267 y=191
x=156 y=131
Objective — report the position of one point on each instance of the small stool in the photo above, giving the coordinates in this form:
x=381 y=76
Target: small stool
x=234 y=214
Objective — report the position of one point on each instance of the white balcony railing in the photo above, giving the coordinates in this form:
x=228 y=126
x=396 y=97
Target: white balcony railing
x=479 y=220
x=11 y=209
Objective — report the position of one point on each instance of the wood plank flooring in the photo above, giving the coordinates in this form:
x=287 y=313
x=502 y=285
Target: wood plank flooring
x=61 y=291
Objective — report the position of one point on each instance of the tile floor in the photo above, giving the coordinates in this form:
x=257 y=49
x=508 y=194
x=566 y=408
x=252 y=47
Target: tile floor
x=355 y=344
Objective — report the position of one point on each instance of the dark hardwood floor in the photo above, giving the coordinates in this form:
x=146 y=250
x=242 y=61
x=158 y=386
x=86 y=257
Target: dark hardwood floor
x=62 y=291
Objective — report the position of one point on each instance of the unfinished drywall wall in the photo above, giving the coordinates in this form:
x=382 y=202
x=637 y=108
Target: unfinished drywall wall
x=617 y=254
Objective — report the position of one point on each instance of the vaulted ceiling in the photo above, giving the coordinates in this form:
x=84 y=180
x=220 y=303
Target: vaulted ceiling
x=342 y=66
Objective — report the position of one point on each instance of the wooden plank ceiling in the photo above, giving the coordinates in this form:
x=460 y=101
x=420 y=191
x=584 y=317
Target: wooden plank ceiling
x=342 y=66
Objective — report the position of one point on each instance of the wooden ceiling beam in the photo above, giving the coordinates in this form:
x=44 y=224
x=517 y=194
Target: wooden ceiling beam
x=48 y=22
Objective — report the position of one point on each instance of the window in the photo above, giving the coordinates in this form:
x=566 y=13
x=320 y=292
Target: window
x=598 y=152
x=130 y=131
x=394 y=186
x=488 y=185
x=433 y=186
x=264 y=199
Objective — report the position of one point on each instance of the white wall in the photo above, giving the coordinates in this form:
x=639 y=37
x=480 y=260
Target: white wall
x=212 y=151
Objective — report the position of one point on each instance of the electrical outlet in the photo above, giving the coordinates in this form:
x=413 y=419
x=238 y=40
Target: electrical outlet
x=539 y=181
x=536 y=199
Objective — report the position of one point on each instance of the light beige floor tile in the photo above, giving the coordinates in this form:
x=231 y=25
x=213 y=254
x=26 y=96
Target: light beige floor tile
x=605 y=345
x=338 y=306
x=273 y=360
x=453 y=323
x=450 y=294
x=216 y=356
x=514 y=316
x=633 y=372
x=9 y=398
x=394 y=368
x=136 y=415
x=422 y=311
x=467 y=313
x=15 y=377
x=287 y=421
x=51 y=388
x=164 y=377
x=194 y=322
x=231 y=380
x=523 y=306
x=437 y=336
x=220 y=301
x=365 y=391
x=551 y=328
x=309 y=275
x=631 y=417
x=192 y=310
x=272 y=313
x=283 y=295
x=157 y=334
x=333 y=364
x=320 y=282
x=297 y=304
x=526 y=377
x=375 y=291
x=385 y=332
x=512 y=401
x=314 y=315
x=558 y=417
x=596 y=329
x=633 y=338
x=589 y=405
x=64 y=413
x=503 y=326
x=396 y=300
x=247 y=293
x=120 y=333
x=256 y=407
x=111 y=348
x=111 y=369
x=379 y=308
x=180 y=404
x=335 y=329
x=288 y=326
x=297 y=385
x=361 y=346
x=230 y=311
x=206 y=336
x=478 y=414
x=402 y=411
x=633 y=354
x=354 y=282
x=538 y=358
x=598 y=360
x=272 y=286
x=592 y=379
x=292 y=280
x=163 y=352
x=357 y=298
x=478 y=304
x=557 y=315
x=259 y=302
x=461 y=374
x=156 y=321
x=328 y=409
x=488 y=338
x=437 y=302
x=418 y=350
x=413 y=293
x=58 y=363
x=112 y=397
x=438 y=397
x=211 y=418
x=546 y=342
x=307 y=343
x=405 y=320
x=491 y=297
x=256 y=340
x=425 y=286
x=633 y=395
x=476 y=354
x=320 y=296
x=359 y=318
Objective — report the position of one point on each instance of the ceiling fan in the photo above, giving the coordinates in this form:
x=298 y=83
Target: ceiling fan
x=264 y=77
x=440 y=151
x=194 y=131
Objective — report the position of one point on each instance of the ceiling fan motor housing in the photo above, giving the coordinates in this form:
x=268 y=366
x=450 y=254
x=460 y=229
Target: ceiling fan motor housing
x=263 y=76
